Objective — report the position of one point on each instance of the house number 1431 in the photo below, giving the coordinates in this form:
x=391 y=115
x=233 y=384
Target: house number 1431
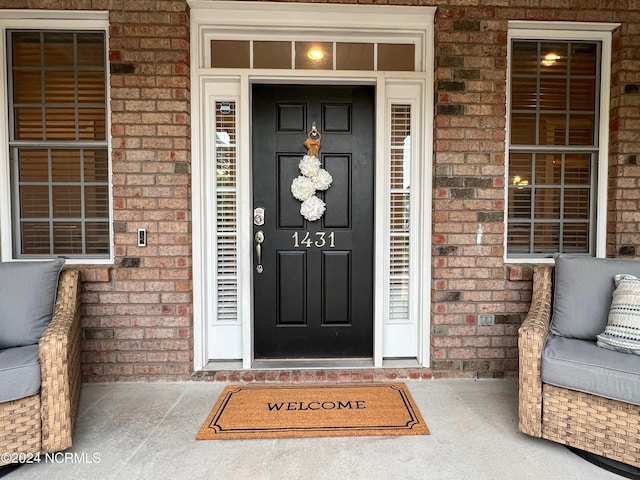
x=319 y=239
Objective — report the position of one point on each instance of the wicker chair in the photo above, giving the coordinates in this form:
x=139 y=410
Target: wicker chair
x=608 y=428
x=43 y=423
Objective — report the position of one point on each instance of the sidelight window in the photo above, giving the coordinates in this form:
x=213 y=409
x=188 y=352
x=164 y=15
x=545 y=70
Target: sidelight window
x=399 y=202
x=226 y=217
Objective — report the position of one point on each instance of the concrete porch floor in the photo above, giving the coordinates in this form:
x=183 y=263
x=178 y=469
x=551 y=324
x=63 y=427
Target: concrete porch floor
x=147 y=431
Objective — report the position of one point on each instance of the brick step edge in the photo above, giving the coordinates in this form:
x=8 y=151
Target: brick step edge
x=313 y=375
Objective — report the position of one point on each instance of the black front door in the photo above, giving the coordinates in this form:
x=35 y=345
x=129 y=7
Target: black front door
x=313 y=289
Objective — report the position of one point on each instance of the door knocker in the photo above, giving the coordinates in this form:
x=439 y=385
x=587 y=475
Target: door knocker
x=313 y=178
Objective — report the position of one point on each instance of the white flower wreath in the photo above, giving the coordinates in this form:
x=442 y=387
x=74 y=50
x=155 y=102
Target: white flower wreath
x=322 y=180
x=312 y=208
x=309 y=166
x=304 y=187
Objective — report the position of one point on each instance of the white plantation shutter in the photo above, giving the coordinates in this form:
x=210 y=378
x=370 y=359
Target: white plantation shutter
x=399 y=201
x=226 y=213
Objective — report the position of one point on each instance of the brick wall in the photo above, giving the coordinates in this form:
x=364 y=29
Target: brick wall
x=471 y=47
x=138 y=319
x=137 y=322
x=623 y=226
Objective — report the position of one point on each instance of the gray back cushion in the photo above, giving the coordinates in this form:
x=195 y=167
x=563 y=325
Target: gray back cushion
x=27 y=299
x=582 y=293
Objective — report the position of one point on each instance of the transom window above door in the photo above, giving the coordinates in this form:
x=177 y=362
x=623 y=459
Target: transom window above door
x=313 y=55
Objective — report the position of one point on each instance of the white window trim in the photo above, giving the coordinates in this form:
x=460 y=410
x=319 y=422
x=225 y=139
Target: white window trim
x=42 y=20
x=402 y=92
x=602 y=32
x=337 y=21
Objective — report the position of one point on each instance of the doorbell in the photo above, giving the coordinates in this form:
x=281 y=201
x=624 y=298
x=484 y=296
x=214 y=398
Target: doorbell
x=142 y=237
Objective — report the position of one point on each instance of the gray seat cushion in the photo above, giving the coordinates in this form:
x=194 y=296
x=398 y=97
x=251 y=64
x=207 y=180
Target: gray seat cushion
x=582 y=365
x=19 y=373
x=27 y=299
x=582 y=296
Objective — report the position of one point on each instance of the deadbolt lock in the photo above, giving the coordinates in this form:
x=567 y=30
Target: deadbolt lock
x=258 y=216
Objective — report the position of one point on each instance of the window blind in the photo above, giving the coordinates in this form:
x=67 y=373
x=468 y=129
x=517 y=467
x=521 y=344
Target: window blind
x=58 y=144
x=226 y=213
x=399 y=210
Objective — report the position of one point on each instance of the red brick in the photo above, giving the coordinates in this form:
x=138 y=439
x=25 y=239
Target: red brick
x=150 y=128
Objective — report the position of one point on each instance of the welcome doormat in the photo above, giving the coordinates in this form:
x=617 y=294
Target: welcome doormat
x=313 y=410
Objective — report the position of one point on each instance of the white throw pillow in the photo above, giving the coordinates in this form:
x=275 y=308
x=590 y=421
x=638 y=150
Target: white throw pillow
x=622 y=332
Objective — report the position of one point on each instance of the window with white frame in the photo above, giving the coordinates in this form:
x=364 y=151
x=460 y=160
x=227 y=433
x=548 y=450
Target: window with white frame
x=399 y=212
x=555 y=144
x=226 y=212
x=57 y=143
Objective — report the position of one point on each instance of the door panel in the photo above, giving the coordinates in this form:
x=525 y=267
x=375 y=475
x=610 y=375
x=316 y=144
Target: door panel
x=336 y=273
x=292 y=287
x=288 y=207
x=314 y=295
x=338 y=197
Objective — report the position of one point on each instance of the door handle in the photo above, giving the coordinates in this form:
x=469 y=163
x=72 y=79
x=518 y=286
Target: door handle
x=259 y=239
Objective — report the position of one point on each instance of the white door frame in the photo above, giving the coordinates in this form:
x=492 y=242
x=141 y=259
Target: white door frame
x=209 y=85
